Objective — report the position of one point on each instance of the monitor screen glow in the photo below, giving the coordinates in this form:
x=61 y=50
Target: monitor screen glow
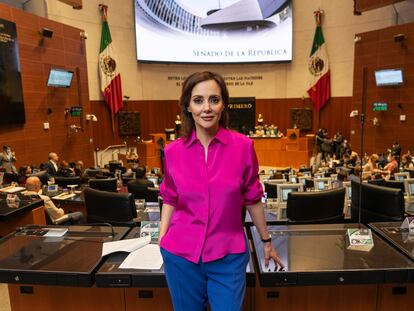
x=320 y=185
x=285 y=193
x=60 y=78
x=411 y=188
x=226 y=31
x=388 y=77
x=154 y=180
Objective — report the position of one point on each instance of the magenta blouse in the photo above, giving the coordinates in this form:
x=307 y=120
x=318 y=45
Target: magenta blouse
x=208 y=195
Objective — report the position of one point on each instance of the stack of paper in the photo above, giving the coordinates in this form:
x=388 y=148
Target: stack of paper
x=143 y=255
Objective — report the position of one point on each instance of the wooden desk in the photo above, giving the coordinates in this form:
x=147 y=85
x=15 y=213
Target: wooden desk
x=283 y=152
x=28 y=211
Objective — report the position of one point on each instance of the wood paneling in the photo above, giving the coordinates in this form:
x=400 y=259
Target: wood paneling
x=64 y=50
x=378 y=50
x=366 y=5
x=158 y=115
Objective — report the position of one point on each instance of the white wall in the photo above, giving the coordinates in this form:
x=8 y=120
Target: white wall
x=289 y=80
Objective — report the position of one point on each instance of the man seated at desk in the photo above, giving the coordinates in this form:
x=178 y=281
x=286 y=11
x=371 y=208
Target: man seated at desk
x=57 y=215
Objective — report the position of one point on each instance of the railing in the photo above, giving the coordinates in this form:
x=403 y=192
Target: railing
x=110 y=147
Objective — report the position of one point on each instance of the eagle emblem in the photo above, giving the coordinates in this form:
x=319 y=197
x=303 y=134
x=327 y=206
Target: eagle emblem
x=108 y=65
x=316 y=66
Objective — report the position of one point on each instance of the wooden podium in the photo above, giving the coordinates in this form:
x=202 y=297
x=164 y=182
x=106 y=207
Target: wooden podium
x=149 y=151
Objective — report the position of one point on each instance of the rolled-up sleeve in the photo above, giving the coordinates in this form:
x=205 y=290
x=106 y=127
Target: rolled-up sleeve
x=252 y=189
x=168 y=191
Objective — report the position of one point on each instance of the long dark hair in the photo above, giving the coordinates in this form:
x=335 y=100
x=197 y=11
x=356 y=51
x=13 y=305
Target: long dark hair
x=188 y=125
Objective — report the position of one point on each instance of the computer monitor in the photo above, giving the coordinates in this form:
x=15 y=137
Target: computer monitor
x=319 y=175
x=302 y=180
x=322 y=183
x=307 y=173
x=409 y=186
x=401 y=176
x=348 y=189
x=293 y=179
x=283 y=191
x=154 y=180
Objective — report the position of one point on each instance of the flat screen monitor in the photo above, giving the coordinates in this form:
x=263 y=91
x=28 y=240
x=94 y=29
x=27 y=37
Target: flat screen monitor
x=226 y=31
x=320 y=185
x=293 y=179
x=154 y=180
x=285 y=193
x=11 y=91
x=411 y=188
x=60 y=78
x=389 y=77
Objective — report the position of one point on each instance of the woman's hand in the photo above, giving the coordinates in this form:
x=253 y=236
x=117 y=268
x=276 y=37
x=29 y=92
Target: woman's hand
x=270 y=253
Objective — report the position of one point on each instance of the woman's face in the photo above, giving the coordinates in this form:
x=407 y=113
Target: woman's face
x=206 y=105
x=28 y=170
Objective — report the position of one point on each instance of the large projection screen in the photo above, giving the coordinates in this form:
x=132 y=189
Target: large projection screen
x=222 y=31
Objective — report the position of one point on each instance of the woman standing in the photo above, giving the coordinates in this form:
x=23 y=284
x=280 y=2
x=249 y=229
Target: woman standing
x=211 y=173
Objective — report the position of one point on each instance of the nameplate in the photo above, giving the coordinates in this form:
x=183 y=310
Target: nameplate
x=360 y=239
x=408 y=223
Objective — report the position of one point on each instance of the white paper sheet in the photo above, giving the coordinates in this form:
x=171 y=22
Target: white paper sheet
x=56 y=232
x=147 y=257
x=64 y=196
x=129 y=245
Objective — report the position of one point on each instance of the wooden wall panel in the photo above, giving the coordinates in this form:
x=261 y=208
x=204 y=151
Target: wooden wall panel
x=378 y=50
x=366 y=5
x=65 y=50
x=158 y=115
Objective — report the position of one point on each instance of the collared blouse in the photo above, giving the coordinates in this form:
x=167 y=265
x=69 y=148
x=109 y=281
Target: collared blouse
x=208 y=195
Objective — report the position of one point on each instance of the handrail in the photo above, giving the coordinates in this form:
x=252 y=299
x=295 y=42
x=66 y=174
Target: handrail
x=110 y=147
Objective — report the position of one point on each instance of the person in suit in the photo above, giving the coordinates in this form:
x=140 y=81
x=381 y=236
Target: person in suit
x=140 y=185
x=33 y=188
x=7 y=160
x=51 y=166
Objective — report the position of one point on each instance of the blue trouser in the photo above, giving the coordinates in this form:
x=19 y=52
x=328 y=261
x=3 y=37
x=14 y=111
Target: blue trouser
x=221 y=282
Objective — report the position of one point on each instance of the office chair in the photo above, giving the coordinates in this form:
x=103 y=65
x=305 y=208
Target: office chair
x=140 y=191
x=378 y=203
x=108 y=184
x=8 y=178
x=316 y=207
x=118 y=209
x=42 y=175
x=152 y=194
x=65 y=181
x=271 y=190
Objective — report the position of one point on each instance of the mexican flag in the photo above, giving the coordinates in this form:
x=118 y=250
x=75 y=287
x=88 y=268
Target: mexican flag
x=320 y=80
x=108 y=68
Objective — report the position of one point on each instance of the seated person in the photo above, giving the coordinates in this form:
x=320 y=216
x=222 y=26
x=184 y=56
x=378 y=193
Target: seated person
x=65 y=170
x=407 y=162
x=141 y=180
x=24 y=171
x=33 y=188
x=392 y=166
x=78 y=169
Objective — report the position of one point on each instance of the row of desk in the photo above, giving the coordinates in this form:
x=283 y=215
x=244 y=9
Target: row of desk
x=321 y=273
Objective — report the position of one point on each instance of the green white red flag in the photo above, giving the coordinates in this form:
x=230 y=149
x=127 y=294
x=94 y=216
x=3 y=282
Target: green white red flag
x=320 y=79
x=108 y=68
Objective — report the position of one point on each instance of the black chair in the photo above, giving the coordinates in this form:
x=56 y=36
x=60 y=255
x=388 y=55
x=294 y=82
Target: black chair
x=65 y=181
x=316 y=207
x=118 y=209
x=91 y=172
x=116 y=165
x=108 y=184
x=42 y=175
x=378 y=203
x=396 y=184
x=152 y=194
x=271 y=190
x=8 y=178
x=139 y=190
